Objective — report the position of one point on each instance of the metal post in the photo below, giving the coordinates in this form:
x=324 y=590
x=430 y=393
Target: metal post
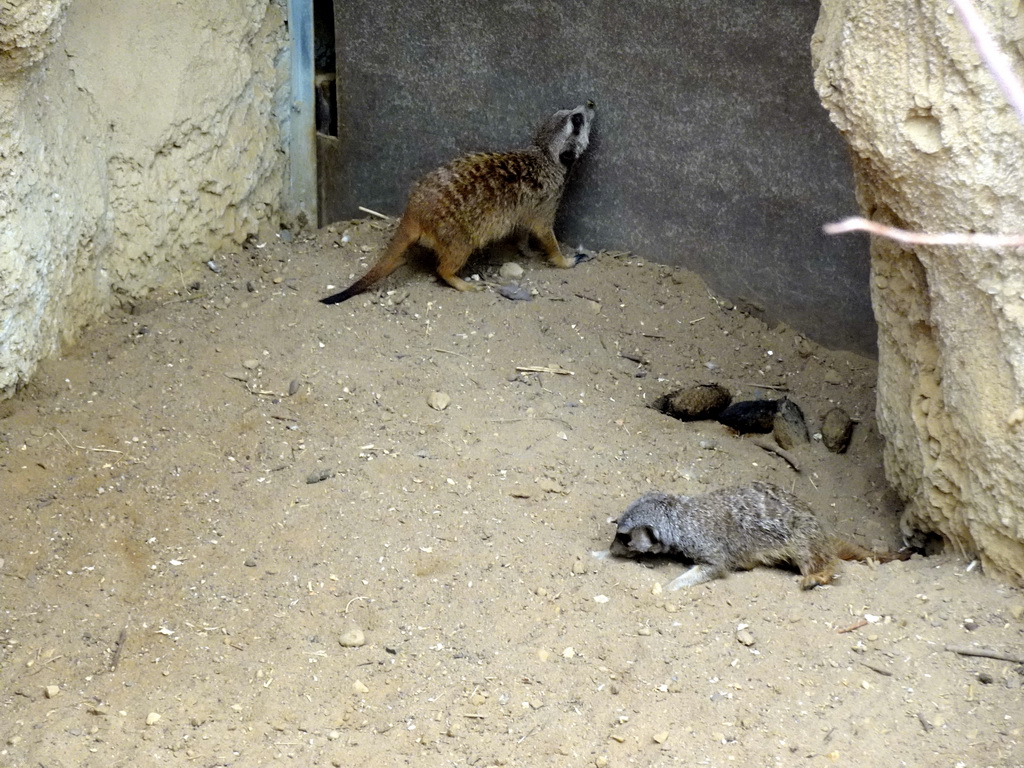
x=300 y=204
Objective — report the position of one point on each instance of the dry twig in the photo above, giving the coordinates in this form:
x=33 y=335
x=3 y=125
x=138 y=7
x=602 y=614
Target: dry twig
x=858 y=625
x=786 y=456
x=544 y=369
x=375 y=213
x=985 y=653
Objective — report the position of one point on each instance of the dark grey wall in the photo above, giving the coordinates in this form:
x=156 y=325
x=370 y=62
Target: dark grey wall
x=711 y=152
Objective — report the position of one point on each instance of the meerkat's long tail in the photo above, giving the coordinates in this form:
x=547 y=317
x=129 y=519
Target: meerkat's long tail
x=392 y=258
x=846 y=550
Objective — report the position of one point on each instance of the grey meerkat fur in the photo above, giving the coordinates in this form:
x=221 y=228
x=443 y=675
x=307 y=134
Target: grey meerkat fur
x=481 y=198
x=735 y=529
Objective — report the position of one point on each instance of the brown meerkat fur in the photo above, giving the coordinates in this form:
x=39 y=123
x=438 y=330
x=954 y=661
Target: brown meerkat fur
x=735 y=529
x=478 y=199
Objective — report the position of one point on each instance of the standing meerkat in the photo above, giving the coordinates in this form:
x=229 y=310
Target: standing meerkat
x=735 y=529
x=478 y=199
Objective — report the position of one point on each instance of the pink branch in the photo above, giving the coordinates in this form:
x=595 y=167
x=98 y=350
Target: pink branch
x=858 y=224
x=998 y=62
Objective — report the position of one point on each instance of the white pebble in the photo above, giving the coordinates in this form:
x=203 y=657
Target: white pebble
x=438 y=400
x=744 y=637
x=510 y=271
x=353 y=638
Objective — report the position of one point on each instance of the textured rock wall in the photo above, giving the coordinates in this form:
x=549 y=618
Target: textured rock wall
x=135 y=140
x=936 y=148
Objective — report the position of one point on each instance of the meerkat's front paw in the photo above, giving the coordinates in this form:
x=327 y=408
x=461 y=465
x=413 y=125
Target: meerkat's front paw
x=698 y=574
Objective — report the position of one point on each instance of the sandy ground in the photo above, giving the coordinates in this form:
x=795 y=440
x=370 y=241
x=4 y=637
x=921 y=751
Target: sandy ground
x=176 y=590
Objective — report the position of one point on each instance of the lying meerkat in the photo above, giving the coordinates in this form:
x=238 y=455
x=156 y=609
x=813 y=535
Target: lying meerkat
x=735 y=529
x=482 y=198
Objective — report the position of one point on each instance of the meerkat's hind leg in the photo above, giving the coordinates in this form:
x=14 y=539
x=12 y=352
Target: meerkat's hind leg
x=449 y=262
x=546 y=236
x=459 y=284
x=698 y=574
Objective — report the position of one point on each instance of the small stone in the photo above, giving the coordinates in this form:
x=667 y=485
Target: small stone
x=477 y=699
x=569 y=653
x=353 y=638
x=515 y=293
x=661 y=737
x=745 y=638
x=251 y=364
x=293 y=387
x=836 y=430
x=510 y=271
x=152 y=718
x=360 y=687
x=334 y=735
x=832 y=376
x=249 y=563
x=550 y=485
x=455 y=729
x=51 y=690
x=438 y=400
x=985 y=678
x=319 y=475
x=970 y=625
x=804 y=347
x=1017 y=611
x=579 y=567
x=601 y=762
x=789 y=428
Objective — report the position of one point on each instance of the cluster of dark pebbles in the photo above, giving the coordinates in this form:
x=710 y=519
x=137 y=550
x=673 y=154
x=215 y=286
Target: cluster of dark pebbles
x=782 y=418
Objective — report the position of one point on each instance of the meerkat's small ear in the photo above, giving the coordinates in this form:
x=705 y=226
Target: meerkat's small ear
x=643 y=539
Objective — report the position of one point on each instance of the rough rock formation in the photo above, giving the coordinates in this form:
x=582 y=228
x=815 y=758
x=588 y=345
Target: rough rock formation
x=936 y=148
x=134 y=141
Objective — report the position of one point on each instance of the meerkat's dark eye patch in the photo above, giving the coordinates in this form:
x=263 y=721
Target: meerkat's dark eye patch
x=577 y=122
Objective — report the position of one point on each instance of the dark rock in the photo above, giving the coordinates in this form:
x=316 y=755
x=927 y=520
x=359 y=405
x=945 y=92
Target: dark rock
x=515 y=293
x=836 y=430
x=750 y=416
x=702 y=401
x=789 y=427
